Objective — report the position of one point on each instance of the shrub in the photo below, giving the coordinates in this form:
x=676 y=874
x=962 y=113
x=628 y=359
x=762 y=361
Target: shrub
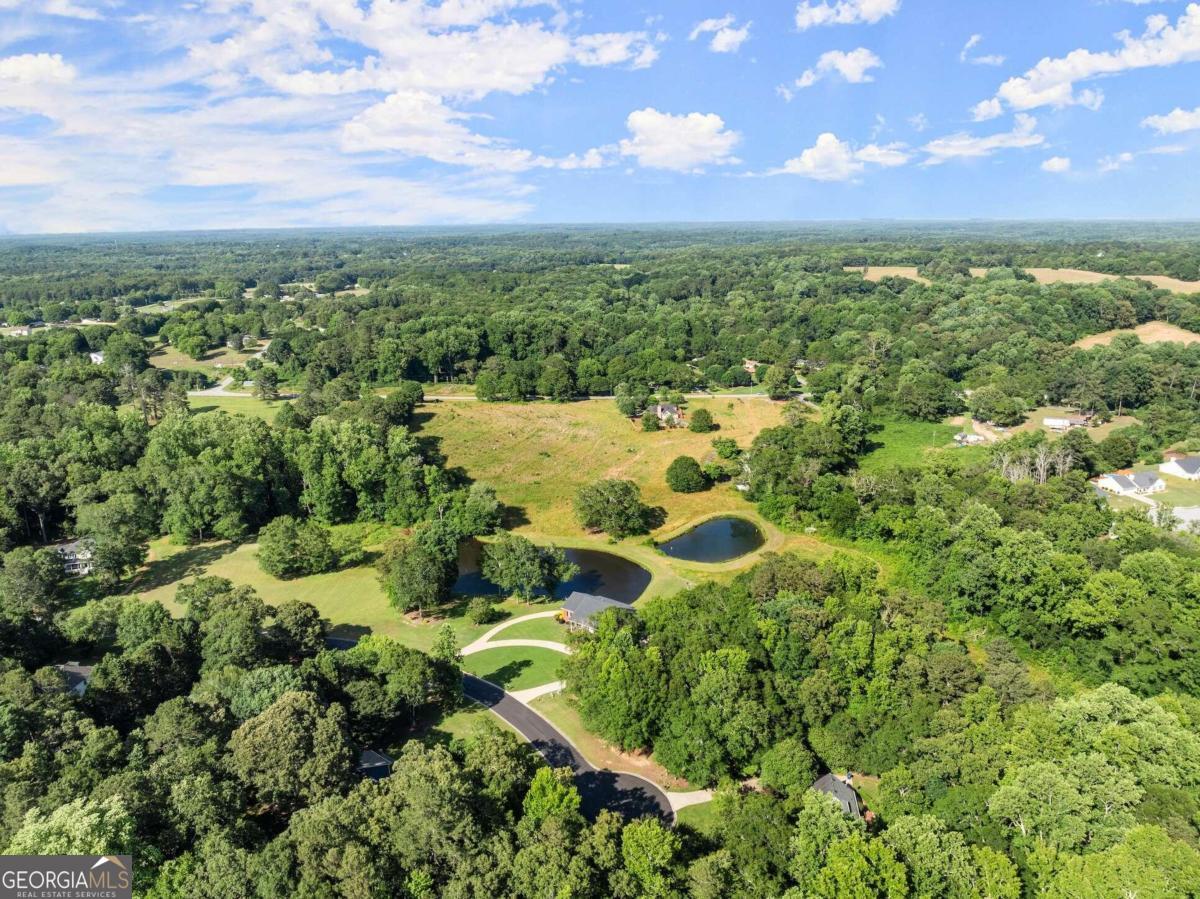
x=702 y=422
x=650 y=421
x=481 y=611
x=726 y=448
x=289 y=548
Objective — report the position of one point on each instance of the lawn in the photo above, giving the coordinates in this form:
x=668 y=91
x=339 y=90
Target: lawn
x=558 y=709
x=462 y=723
x=1179 y=492
x=536 y=629
x=902 y=442
x=237 y=405
x=701 y=817
x=351 y=600
x=170 y=358
x=538 y=454
x=515 y=667
x=1034 y=421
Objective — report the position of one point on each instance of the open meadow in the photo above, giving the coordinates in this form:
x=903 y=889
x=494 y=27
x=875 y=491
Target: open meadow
x=167 y=357
x=879 y=272
x=1148 y=332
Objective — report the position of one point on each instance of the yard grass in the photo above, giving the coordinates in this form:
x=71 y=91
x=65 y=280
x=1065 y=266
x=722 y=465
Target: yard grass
x=1034 y=422
x=463 y=722
x=701 y=817
x=515 y=667
x=1180 y=492
x=170 y=358
x=351 y=600
x=538 y=454
x=903 y=442
x=249 y=406
x=536 y=629
x=559 y=711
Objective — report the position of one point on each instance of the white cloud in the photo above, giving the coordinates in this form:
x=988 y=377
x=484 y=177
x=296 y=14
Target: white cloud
x=810 y=14
x=832 y=159
x=968 y=146
x=964 y=55
x=1056 y=164
x=919 y=122
x=680 y=143
x=853 y=66
x=1174 y=122
x=35 y=68
x=1052 y=81
x=1112 y=163
x=726 y=38
x=986 y=110
x=63 y=8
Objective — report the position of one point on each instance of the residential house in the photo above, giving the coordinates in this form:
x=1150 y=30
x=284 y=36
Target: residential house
x=1066 y=424
x=668 y=414
x=1186 y=467
x=1128 y=483
x=76 y=676
x=76 y=556
x=372 y=764
x=580 y=610
x=841 y=790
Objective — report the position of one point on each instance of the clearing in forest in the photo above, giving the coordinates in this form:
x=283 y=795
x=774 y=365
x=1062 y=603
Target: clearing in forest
x=879 y=272
x=1081 y=276
x=1150 y=332
x=537 y=455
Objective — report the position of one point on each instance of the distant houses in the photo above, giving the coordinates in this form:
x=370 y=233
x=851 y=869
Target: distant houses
x=1128 y=483
x=76 y=556
x=1186 y=467
x=580 y=610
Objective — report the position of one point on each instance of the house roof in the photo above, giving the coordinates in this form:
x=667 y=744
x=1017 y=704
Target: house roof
x=1190 y=464
x=75 y=673
x=1121 y=481
x=845 y=795
x=668 y=408
x=583 y=607
x=369 y=758
x=1144 y=479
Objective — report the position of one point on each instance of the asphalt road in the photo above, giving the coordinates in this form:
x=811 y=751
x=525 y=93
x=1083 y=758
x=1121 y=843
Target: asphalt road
x=627 y=794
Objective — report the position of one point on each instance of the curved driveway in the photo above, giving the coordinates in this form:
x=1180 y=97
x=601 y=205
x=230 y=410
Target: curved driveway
x=626 y=794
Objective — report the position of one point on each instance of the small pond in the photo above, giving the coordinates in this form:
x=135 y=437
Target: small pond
x=600 y=573
x=715 y=540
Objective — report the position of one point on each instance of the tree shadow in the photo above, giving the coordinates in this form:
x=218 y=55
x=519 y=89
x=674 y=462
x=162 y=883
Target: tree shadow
x=190 y=562
x=506 y=674
x=656 y=517
x=512 y=517
x=344 y=636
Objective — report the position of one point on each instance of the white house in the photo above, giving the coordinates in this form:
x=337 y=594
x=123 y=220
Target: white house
x=1065 y=424
x=76 y=556
x=1131 y=484
x=1187 y=467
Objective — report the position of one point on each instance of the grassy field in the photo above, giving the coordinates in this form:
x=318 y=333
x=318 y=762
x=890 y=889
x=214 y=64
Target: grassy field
x=879 y=272
x=558 y=710
x=170 y=358
x=1149 y=332
x=537 y=455
x=237 y=405
x=1080 y=276
x=1034 y=421
x=1179 y=492
x=907 y=442
x=515 y=667
x=351 y=600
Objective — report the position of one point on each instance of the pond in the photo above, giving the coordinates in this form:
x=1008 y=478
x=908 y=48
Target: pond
x=715 y=540
x=600 y=573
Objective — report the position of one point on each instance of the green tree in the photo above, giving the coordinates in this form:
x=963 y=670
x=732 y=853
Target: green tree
x=288 y=548
x=684 y=475
x=612 y=506
x=80 y=827
x=552 y=794
x=415 y=576
x=520 y=567
x=701 y=422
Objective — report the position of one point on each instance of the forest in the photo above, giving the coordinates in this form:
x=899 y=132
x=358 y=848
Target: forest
x=1007 y=660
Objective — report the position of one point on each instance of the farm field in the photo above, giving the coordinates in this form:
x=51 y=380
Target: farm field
x=537 y=455
x=1149 y=332
x=879 y=272
x=1081 y=276
x=169 y=358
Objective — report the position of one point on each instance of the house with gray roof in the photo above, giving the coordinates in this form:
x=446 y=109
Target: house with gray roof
x=581 y=609
x=76 y=556
x=840 y=789
x=76 y=676
x=1130 y=483
x=668 y=414
x=372 y=764
x=1186 y=467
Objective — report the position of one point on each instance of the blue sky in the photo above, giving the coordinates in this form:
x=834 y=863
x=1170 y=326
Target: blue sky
x=139 y=115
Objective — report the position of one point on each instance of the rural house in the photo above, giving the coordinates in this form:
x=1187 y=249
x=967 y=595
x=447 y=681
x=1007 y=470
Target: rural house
x=668 y=414
x=76 y=676
x=1187 y=467
x=840 y=790
x=76 y=556
x=372 y=764
x=1065 y=424
x=1131 y=483
x=581 y=609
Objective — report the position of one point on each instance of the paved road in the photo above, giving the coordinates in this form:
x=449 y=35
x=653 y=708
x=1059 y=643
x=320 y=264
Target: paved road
x=627 y=794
